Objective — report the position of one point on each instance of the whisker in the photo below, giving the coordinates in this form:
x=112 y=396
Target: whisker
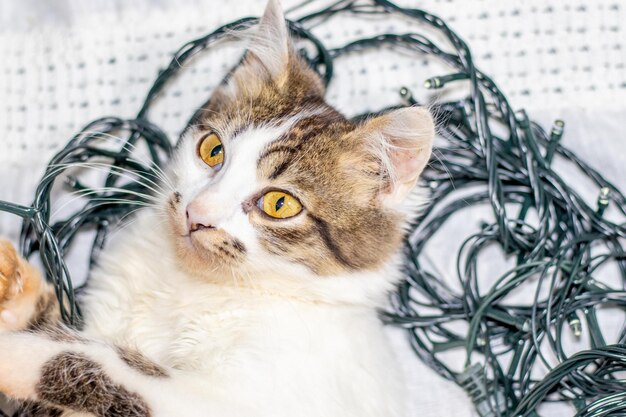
x=86 y=193
x=106 y=168
x=120 y=172
x=149 y=163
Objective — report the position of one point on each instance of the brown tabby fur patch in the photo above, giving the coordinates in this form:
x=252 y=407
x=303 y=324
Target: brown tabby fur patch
x=72 y=380
x=33 y=409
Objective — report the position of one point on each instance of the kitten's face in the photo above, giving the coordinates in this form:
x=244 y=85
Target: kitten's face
x=271 y=179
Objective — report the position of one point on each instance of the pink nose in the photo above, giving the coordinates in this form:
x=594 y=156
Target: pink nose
x=198 y=218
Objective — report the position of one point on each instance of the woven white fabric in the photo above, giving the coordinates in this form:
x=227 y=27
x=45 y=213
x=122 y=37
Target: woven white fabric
x=67 y=62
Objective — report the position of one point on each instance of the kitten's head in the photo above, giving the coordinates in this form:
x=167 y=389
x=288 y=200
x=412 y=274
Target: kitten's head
x=272 y=181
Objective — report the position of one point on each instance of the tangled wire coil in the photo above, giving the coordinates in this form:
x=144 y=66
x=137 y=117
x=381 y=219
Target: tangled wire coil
x=557 y=242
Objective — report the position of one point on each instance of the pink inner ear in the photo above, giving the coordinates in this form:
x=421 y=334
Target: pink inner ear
x=408 y=164
x=409 y=135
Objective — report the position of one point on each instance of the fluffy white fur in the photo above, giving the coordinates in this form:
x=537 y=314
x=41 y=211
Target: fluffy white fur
x=289 y=346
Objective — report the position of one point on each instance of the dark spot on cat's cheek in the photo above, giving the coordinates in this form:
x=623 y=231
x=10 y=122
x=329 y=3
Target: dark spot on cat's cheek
x=72 y=380
x=140 y=363
x=238 y=245
x=226 y=252
x=175 y=200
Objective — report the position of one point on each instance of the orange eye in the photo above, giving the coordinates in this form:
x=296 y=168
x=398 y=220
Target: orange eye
x=211 y=151
x=279 y=205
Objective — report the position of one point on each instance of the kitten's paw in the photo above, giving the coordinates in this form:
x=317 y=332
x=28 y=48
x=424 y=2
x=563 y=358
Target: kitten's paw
x=26 y=300
x=21 y=287
x=10 y=277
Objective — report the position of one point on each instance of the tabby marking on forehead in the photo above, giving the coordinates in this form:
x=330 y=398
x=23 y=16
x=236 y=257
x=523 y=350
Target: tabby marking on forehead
x=327 y=120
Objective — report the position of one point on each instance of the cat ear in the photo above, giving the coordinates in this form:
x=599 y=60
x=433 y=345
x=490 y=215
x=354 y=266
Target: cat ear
x=270 y=45
x=268 y=49
x=270 y=59
x=402 y=142
x=266 y=59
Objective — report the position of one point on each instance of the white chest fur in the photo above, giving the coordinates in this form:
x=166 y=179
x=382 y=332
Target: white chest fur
x=280 y=355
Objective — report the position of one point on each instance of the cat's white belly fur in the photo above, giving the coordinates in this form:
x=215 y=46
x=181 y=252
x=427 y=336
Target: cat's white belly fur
x=234 y=348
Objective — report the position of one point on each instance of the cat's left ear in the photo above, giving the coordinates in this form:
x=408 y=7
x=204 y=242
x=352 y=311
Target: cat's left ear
x=268 y=52
x=402 y=142
x=270 y=61
x=270 y=45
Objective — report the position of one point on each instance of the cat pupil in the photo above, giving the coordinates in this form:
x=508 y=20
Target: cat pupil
x=216 y=150
x=280 y=202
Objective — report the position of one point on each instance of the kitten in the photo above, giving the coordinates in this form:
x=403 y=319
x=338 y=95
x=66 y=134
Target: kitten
x=252 y=289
